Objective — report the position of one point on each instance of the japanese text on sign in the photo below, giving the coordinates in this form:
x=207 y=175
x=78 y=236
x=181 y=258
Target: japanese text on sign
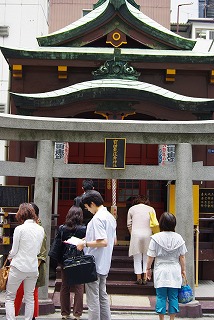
x=166 y=154
x=115 y=150
x=207 y=200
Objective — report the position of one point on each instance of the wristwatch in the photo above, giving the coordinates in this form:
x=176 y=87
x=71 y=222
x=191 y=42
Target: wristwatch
x=85 y=243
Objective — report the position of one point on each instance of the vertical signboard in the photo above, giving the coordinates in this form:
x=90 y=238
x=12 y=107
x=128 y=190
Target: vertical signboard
x=166 y=154
x=115 y=153
x=206 y=200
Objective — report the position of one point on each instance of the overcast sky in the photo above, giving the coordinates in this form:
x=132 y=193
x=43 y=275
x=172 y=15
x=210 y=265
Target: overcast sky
x=185 y=12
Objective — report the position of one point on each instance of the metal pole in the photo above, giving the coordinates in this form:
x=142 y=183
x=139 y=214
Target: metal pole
x=178 y=19
x=196 y=255
x=180 y=5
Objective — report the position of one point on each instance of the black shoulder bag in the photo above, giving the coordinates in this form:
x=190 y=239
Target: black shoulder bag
x=80 y=269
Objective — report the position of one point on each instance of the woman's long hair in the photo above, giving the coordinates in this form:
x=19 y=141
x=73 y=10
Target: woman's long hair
x=74 y=217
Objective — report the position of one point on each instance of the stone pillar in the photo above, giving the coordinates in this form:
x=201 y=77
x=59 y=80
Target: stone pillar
x=184 y=215
x=43 y=198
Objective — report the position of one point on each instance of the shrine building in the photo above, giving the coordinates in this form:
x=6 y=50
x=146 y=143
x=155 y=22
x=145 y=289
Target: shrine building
x=114 y=63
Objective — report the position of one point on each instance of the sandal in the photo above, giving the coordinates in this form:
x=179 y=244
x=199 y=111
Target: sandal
x=139 y=281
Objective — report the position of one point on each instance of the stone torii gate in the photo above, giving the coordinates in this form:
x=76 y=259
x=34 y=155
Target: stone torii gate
x=47 y=131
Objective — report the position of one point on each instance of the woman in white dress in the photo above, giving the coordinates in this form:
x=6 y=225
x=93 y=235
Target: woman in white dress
x=138 y=223
x=168 y=249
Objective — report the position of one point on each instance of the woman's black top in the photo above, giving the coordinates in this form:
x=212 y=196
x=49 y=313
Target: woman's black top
x=69 y=250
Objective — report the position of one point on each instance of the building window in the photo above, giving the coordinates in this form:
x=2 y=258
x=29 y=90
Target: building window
x=100 y=186
x=204 y=33
x=128 y=190
x=211 y=34
x=67 y=189
x=200 y=34
x=85 y=11
x=155 y=190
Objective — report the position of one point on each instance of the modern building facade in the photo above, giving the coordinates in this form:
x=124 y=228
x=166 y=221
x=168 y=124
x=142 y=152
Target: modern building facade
x=20 y=23
x=64 y=12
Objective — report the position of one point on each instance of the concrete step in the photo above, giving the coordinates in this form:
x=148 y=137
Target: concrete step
x=120 y=250
x=121 y=278
x=129 y=287
x=122 y=262
x=122 y=274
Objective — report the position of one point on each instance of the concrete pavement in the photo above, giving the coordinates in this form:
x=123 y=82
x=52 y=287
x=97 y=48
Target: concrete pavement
x=118 y=315
x=129 y=307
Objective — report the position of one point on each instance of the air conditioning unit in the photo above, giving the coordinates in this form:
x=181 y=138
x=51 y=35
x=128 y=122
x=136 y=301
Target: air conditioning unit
x=4 y=31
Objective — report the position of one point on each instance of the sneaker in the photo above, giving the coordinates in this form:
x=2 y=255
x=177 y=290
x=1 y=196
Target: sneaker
x=76 y=318
x=66 y=317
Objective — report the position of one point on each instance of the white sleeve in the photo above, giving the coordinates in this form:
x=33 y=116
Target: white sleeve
x=16 y=240
x=152 y=249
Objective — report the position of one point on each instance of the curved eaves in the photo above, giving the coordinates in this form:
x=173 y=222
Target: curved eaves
x=106 y=11
x=103 y=54
x=113 y=89
x=77 y=28
x=156 y=30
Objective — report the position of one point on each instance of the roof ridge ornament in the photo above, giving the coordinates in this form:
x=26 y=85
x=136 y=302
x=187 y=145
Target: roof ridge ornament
x=116 y=3
x=116 y=69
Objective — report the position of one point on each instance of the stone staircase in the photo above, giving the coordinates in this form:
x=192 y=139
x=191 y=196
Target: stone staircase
x=121 y=279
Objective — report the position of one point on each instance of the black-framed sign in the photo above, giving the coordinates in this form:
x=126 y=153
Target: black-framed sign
x=206 y=200
x=13 y=196
x=115 y=153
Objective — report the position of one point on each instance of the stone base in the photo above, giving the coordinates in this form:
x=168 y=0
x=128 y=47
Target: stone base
x=190 y=310
x=45 y=307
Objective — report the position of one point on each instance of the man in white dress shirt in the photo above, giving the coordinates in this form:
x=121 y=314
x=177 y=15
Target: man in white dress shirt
x=99 y=242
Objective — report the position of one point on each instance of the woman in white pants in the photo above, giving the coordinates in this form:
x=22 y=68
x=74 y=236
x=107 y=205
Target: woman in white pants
x=27 y=241
x=138 y=223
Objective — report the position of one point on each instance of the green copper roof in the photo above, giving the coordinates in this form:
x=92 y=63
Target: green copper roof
x=116 y=3
x=107 y=88
x=124 y=12
x=103 y=54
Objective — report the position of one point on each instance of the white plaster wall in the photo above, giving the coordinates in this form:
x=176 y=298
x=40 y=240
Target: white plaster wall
x=26 y=19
